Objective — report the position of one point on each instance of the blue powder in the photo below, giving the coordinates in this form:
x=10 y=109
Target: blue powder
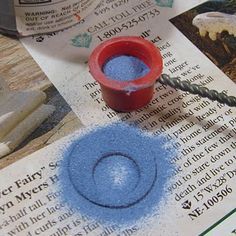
x=125 y=68
x=116 y=174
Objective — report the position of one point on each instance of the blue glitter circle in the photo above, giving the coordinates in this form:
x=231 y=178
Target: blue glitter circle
x=82 y=167
x=117 y=146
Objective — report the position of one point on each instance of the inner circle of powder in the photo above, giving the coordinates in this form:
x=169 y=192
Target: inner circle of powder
x=110 y=164
x=125 y=68
x=82 y=171
x=116 y=174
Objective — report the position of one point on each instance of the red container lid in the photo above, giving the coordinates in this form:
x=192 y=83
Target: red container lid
x=126 y=95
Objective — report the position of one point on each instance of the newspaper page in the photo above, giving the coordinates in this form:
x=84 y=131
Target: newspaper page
x=201 y=193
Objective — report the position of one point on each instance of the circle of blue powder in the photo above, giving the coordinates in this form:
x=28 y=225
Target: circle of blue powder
x=115 y=174
x=83 y=167
x=125 y=68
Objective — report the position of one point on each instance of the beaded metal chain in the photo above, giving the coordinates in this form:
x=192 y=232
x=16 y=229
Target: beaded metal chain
x=197 y=90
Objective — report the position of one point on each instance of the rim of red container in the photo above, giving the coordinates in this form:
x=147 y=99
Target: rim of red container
x=126 y=45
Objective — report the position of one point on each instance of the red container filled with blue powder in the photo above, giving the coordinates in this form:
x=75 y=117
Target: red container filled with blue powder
x=126 y=69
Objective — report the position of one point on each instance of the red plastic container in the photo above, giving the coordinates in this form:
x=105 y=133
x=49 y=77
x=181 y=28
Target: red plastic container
x=126 y=95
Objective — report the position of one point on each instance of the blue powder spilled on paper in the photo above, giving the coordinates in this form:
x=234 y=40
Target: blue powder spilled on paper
x=116 y=174
x=125 y=68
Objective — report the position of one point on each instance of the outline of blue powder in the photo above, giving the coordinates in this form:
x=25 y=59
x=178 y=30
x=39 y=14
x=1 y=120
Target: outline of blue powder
x=148 y=206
